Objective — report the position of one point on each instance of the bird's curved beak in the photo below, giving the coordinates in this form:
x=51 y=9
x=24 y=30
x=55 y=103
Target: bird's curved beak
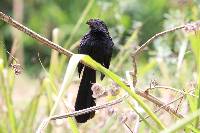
x=88 y=22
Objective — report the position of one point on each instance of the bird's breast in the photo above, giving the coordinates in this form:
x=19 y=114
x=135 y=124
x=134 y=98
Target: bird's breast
x=98 y=50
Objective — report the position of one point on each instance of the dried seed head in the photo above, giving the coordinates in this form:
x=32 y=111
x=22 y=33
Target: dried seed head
x=96 y=88
x=154 y=83
x=98 y=91
x=115 y=90
x=17 y=68
x=123 y=118
x=192 y=27
x=131 y=115
x=115 y=84
x=104 y=94
x=110 y=111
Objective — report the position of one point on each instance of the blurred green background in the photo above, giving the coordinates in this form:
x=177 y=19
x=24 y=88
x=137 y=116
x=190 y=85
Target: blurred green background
x=122 y=18
x=169 y=60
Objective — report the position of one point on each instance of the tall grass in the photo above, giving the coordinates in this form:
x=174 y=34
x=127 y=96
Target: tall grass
x=50 y=95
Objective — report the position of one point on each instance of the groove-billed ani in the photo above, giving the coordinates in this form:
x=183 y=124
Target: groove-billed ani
x=98 y=44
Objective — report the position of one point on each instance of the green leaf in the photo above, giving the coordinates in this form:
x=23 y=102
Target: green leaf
x=196 y=51
x=89 y=61
x=143 y=119
x=73 y=62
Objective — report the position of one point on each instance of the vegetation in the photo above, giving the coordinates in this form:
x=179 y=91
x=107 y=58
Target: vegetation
x=155 y=90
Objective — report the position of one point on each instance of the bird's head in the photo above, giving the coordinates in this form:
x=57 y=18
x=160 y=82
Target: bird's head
x=97 y=25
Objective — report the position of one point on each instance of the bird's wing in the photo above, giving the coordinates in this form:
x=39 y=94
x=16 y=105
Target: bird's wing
x=107 y=56
x=84 y=48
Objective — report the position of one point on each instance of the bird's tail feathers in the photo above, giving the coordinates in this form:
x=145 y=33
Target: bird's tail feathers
x=84 y=98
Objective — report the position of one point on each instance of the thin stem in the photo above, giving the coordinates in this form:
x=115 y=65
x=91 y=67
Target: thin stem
x=34 y=35
x=149 y=41
x=84 y=111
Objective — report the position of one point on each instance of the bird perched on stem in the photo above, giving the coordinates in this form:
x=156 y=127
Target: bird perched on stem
x=98 y=44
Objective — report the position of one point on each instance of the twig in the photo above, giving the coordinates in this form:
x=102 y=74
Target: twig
x=34 y=35
x=156 y=101
x=134 y=73
x=172 y=89
x=128 y=127
x=192 y=26
x=12 y=56
x=137 y=124
x=83 y=111
x=141 y=48
x=164 y=106
x=17 y=68
x=143 y=94
x=167 y=105
x=179 y=104
x=159 y=103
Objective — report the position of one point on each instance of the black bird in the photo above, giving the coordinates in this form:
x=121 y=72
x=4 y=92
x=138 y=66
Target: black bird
x=98 y=44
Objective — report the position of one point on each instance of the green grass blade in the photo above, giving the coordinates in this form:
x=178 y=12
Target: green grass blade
x=196 y=51
x=3 y=51
x=6 y=92
x=3 y=125
x=143 y=119
x=80 y=21
x=73 y=62
x=88 y=60
x=74 y=31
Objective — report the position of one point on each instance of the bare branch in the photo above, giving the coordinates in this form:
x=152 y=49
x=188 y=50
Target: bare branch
x=143 y=94
x=159 y=103
x=165 y=105
x=129 y=128
x=34 y=35
x=83 y=111
x=179 y=98
x=172 y=89
x=193 y=26
x=141 y=48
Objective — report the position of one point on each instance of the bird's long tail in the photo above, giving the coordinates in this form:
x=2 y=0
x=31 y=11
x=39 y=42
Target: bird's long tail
x=84 y=98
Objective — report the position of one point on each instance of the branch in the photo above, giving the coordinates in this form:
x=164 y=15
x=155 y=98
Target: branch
x=193 y=26
x=84 y=111
x=119 y=100
x=34 y=35
x=167 y=105
x=156 y=101
x=159 y=103
x=141 y=48
x=172 y=89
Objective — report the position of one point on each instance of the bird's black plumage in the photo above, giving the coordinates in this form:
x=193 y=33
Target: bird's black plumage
x=98 y=44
